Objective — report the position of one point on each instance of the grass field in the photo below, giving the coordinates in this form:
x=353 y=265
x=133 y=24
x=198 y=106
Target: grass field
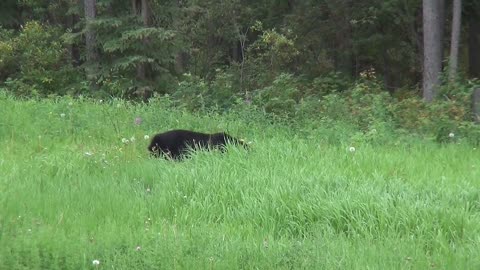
x=71 y=193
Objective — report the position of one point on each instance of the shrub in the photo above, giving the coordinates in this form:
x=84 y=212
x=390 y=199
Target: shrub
x=35 y=62
x=333 y=82
x=191 y=93
x=280 y=98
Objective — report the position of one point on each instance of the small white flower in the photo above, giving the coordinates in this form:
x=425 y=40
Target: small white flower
x=29 y=230
x=148 y=189
x=125 y=141
x=101 y=100
x=88 y=154
x=62 y=115
x=146 y=137
x=451 y=135
x=138 y=248
x=95 y=262
x=132 y=139
x=351 y=149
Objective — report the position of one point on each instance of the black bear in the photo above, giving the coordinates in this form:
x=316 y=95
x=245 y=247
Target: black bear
x=175 y=144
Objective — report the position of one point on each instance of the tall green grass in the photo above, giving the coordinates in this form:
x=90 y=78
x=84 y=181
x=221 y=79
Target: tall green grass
x=71 y=192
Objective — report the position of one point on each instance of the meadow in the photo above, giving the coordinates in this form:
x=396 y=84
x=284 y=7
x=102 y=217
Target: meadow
x=75 y=194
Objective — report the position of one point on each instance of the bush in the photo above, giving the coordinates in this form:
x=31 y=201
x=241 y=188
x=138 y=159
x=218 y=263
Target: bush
x=7 y=54
x=333 y=82
x=280 y=98
x=191 y=93
x=34 y=62
x=222 y=91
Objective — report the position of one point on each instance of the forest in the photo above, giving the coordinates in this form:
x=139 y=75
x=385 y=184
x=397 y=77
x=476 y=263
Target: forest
x=362 y=123
x=287 y=58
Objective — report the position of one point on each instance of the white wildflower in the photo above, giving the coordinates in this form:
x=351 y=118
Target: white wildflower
x=132 y=139
x=451 y=135
x=95 y=262
x=138 y=248
x=62 y=115
x=125 y=141
x=146 y=137
x=88 y=154
x=351 y=149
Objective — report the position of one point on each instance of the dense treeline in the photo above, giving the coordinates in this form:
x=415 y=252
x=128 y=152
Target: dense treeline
x=251 y=41
x=287 y=57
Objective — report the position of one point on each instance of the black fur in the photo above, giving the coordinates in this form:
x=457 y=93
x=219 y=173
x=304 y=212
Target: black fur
x=175 y=144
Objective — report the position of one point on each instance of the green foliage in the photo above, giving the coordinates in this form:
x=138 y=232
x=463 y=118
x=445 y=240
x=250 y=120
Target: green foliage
x=7 y=53
x=125 y=45
x=191 y=93
x=194 y=93
x=223 y=92
x=298 y=199
x=273 y=49
x=298 y=62
x=281 y=98
x=267 y=57
x=369 y=103
x=330 y=83
x=376 y=116
x=35 y=62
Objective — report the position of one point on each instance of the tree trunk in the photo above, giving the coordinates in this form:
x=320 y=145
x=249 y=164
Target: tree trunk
x=474 y=47
x=181 y=57
x=73 y=49
x=456 y=27
x=432 y=43
x=476 y=105
x=141 y=8
x=90 y=43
